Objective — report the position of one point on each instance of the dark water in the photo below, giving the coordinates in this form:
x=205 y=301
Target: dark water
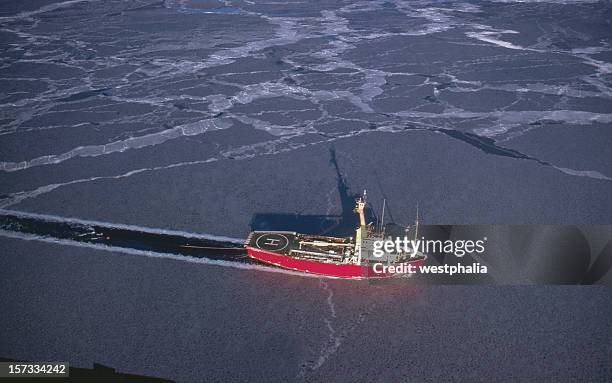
x=126 y=238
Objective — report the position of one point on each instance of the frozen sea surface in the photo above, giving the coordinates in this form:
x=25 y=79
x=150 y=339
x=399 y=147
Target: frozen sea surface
x=197 y=115
x=201 y=323
x=205 y=116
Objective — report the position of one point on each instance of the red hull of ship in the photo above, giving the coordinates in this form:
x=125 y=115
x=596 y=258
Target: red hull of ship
x=338 y=270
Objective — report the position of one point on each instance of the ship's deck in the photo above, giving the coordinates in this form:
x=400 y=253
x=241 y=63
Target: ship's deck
x=301 y=245
x=313 y=247
x=280 y=242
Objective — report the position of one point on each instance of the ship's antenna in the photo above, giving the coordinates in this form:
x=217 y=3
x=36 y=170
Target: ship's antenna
x=416 y=230
x=382 y=218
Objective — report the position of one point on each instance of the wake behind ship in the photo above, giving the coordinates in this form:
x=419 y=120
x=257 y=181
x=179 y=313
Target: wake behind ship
x=330 y=256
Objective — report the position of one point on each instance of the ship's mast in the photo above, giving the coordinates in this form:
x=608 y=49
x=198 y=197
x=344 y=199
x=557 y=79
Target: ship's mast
x=416 y=229
x=382 y=218
x=361 y=231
